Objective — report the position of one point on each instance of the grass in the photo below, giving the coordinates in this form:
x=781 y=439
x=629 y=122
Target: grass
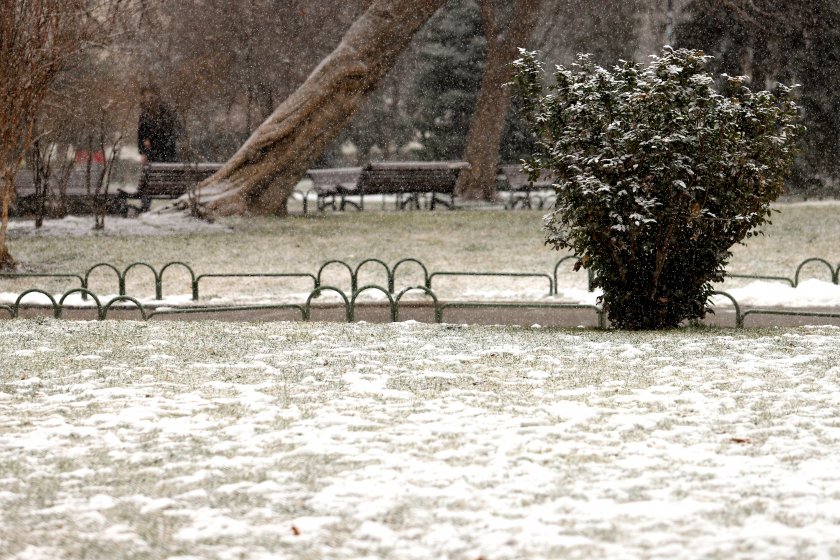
x=230 y=440
x=215 y=440
x=474 y=241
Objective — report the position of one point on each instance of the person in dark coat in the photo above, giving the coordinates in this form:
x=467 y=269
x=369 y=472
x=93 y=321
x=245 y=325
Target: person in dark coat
x=158 y=128
x=157 y=133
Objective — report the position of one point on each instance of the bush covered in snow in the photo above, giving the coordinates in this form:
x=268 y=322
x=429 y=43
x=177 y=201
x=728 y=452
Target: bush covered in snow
x=657 y=175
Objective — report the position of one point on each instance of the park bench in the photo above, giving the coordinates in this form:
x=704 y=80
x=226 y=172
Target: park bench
x=331 y=186
x=522 y=190
x=169 y=180
x=77 y=197
x=409 y=180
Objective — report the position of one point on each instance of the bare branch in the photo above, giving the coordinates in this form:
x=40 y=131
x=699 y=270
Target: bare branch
x=38 y=39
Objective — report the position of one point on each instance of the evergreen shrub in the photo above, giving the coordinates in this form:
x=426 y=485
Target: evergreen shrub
x=657 y=175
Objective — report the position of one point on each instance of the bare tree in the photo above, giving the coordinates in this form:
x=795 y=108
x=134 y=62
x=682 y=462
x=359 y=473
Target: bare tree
x=40 y=161
x=260 y=177
x=98 y=182
x=38 y=38
x=488 y=120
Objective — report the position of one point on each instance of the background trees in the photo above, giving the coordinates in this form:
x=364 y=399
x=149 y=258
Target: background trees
x=797 y=41
x=261 y=175
x=493 y=101
x=227 y=65
x=451 y=52
x=38 y=40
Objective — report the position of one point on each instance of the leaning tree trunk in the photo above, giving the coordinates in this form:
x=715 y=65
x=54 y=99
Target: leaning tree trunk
x=488 y=120
x=261 y=175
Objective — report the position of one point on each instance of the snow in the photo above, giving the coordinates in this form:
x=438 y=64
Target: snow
x=149 y=223
x=808 y=293
x=758 y=293
x=416 y=441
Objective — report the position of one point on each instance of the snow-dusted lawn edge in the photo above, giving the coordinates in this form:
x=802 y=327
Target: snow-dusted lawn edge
x=289 y=440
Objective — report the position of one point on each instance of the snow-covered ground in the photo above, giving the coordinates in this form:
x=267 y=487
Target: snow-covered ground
x=809 y=293
x=410 y=441
x=149 y=224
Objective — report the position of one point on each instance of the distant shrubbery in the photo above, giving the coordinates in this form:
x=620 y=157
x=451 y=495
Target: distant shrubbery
x=657 y=175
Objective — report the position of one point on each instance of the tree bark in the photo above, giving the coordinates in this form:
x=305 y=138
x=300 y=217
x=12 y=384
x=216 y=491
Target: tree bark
x=262 y=174
x=7 y=262
x=488 y=121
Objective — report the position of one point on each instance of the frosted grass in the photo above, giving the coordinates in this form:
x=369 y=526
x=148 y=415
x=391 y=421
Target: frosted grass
x=214 y=440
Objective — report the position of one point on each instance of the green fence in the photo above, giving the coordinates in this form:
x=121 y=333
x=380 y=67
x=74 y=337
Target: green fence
x=58 y=306
x=350 y=298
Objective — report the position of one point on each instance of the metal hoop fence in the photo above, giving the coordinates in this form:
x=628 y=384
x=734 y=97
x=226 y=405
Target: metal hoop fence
x=350 y=298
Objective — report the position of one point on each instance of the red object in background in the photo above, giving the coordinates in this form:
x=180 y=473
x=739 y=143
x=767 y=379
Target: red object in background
x=82 y=156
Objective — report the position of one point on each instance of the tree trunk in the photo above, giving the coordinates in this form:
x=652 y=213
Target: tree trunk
x=7 y=262
x=262 y=174
x=493 y=104
x=760 y=57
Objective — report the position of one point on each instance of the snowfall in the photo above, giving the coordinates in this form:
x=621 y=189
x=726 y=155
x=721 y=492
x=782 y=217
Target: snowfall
x=809 y=293
x=194 y=440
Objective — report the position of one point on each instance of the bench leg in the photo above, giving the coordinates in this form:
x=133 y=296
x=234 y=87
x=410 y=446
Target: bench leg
x=325 y=200
x=413 y=199
x=450 y=205
x=121 y=205
x=517 y=198
x=344 y=203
